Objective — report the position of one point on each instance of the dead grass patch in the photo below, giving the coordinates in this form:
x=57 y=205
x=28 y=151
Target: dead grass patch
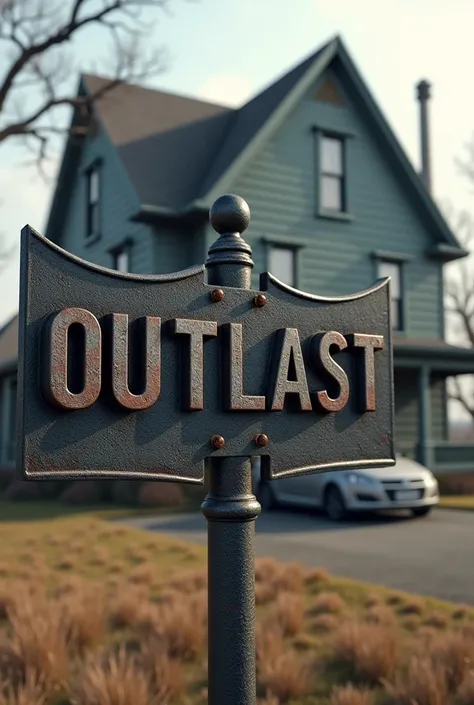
x=142 y=575
x=421 y=684
x=438 y=620
x=381 y=614
x=286 y=678
x=316 y=576
x=290 y=578
x=66 y=563
x=351 y=695
x=117 y=680
x=371 y=651
x=328 y=603
x=167 y=675
x=314 y=631
x=28 y=693
x=83 y=619
x=189 y=582
x=99 y=557
x=462 y=611
x=325 y=623
x=412 y=606
x=40 y=642
x=373 y=599
x=288 y=612
x=466 y=691
x=126 y=607
x=180 y=627
x=453 y=653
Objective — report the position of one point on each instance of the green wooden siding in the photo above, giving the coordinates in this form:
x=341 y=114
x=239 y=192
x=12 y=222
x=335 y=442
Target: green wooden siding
x=336 y=256
x=177 y=248
x=118 y=202
x=159 y=249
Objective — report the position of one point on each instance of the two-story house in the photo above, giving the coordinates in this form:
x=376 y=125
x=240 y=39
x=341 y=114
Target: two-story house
x=335 y=203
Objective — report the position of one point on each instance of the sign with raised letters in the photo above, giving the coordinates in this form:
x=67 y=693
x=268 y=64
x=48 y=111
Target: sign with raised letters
x=125 y=375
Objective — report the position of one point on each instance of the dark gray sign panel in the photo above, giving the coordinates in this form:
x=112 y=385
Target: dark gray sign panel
x=133 y=376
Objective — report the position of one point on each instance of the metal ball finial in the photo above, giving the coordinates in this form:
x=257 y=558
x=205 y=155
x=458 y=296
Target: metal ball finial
x=229 y=214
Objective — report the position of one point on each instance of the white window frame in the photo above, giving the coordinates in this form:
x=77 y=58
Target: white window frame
x=397 y=302
x=335 y=174
x=93 y=201
x=272 y=247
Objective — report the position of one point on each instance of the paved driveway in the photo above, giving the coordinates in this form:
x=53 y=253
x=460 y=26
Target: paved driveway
x=430 y=556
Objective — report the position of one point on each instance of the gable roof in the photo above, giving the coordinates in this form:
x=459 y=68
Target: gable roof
x=164 y=140
x=182 y=153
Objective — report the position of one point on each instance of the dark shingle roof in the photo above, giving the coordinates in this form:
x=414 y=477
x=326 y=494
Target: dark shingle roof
x=176 y=148
x=251 y=117
x=165 y=141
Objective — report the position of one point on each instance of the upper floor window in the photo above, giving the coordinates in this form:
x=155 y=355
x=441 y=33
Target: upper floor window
x=332 y=174
x=282 y=264
x=93 y=202
x=394 y=271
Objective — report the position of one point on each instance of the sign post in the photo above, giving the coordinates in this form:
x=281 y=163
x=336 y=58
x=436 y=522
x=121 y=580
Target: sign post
x=167 y=376
x=231 y=507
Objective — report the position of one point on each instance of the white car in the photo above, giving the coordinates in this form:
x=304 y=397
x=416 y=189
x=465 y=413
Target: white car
x=406 y=485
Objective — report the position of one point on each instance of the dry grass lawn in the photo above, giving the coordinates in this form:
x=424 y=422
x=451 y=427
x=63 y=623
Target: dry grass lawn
x=463 y=501
x=96 y=614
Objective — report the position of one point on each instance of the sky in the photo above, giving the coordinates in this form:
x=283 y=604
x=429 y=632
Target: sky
x=226 y=51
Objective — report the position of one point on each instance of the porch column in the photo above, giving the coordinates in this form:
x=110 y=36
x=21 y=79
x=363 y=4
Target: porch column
x=4 y=401
x=425 y=453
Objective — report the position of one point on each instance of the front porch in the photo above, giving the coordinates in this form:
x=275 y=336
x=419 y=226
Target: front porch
x=421 y=420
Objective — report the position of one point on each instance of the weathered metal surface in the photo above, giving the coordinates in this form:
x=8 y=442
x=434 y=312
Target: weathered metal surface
x=130 y=376
x=231 y=510
x=122 y=369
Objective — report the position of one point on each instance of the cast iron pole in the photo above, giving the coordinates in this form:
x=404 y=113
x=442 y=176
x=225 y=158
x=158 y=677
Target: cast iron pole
x=230 y=507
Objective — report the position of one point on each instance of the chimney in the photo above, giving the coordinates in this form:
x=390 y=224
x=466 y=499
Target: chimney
x=423 y=89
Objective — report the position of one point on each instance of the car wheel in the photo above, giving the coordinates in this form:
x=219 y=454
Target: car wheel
x=421 y=511
x=334 y=504
x=266 y=497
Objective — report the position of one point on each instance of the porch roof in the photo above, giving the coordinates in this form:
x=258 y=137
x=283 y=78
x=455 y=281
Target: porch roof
x=437 y=354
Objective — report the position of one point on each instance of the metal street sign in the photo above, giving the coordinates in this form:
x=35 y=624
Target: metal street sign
x=132 y=376
x=123 y=375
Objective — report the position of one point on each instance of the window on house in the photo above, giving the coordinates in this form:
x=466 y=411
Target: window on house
x=93 y=202
x=121 y=258
x=282 y=264
x=394 y=271
x=332 y=174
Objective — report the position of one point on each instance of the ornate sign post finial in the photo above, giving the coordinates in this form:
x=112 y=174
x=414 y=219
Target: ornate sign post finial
x=230 y=258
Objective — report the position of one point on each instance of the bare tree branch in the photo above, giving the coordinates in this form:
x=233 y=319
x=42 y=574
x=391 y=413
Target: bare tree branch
x=37 y=51
x=459 y=292
x=462 y=398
